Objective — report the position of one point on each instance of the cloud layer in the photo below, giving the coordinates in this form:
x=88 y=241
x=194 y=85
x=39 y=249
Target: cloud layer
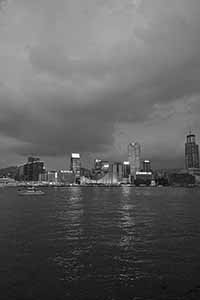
x=91 y=76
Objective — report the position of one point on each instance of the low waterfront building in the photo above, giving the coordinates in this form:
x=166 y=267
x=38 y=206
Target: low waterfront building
x=143 y=178
x=66 y=177
x=7 y=181
x=181 y=179
x=49 y=177
x=52 y=177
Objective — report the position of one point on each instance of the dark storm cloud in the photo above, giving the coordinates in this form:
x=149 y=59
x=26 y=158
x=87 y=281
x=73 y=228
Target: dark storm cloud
x=51 y=129
x=2 y=2
x=75 y=71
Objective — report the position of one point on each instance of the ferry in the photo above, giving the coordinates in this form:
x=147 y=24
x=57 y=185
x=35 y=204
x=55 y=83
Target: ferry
x=30 y=191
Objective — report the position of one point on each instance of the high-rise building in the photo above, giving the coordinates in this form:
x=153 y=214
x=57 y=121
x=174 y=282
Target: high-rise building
x=31 y=170
x=134 y=152
x=75 y=165
x=117 y=172
x=146 y=166
x=126 y=169
x=191 y=152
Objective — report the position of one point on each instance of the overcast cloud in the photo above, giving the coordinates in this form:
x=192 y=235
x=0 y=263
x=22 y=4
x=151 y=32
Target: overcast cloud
x=90 y=76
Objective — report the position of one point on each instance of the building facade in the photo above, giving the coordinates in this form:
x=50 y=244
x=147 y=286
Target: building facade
x=66 y=177
x=143 y=178
x=97 y=164
x=146 y=166
x=126 y=169
x=134 y=153
x=31 y=170
x=75 y=164
x=101 y=165
x=191 y=152
x=117 y=172
x=181 y=179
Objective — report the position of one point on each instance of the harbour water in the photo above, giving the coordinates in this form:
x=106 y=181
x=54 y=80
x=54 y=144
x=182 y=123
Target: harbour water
x=100 y=243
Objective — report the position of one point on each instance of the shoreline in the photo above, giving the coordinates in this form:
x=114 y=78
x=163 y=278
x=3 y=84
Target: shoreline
x=37 y=184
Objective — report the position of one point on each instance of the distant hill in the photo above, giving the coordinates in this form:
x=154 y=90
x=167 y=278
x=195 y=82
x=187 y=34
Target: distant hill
x=9 y=172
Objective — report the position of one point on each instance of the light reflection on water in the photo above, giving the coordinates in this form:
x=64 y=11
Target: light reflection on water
x=127 y=219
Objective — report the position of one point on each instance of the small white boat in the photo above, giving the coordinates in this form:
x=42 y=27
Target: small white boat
x=30 y=191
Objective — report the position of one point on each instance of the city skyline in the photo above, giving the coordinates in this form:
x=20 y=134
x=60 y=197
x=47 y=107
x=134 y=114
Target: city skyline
x=134 y=156
x=135 y=159
x=92 y=77
x=136 y=170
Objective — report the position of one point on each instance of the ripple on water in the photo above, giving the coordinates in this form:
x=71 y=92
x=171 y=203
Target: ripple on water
x=95 y=243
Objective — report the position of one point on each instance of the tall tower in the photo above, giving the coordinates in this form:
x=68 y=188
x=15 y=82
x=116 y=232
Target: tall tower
x=134 y=152
x=191 y=152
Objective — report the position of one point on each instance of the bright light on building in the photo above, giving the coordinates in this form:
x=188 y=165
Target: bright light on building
x=75 y=155
x=143 y=173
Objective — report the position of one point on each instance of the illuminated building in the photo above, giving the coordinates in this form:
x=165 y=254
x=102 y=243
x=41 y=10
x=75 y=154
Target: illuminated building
x=101 y=166
x=97 y=164
x=143 y=178
x=146 y=166
x=75 y=163
x=105 y=166
x=126 y=170
x=134 y=152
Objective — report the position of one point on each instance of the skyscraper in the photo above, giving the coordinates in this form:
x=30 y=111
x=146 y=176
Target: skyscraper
x=134 y=152
x=146 y=166
x=75 y=163
x=191 y=152
x=126 y=169
x=117 y=172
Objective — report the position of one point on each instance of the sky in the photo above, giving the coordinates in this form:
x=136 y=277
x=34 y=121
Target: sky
x=91 y=76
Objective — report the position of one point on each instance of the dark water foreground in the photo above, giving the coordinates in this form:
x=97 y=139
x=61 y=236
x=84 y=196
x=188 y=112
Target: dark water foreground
x=100 y=243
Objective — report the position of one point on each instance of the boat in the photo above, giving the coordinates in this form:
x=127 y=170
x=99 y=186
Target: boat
x=30 y=191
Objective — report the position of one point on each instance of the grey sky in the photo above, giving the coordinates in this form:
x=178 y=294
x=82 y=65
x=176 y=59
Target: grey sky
x=90 y=76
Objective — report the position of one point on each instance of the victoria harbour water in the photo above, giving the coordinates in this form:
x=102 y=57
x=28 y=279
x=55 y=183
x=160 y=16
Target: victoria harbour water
x=87 y=243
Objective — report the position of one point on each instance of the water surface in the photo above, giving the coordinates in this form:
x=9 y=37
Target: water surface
x=100 y=243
